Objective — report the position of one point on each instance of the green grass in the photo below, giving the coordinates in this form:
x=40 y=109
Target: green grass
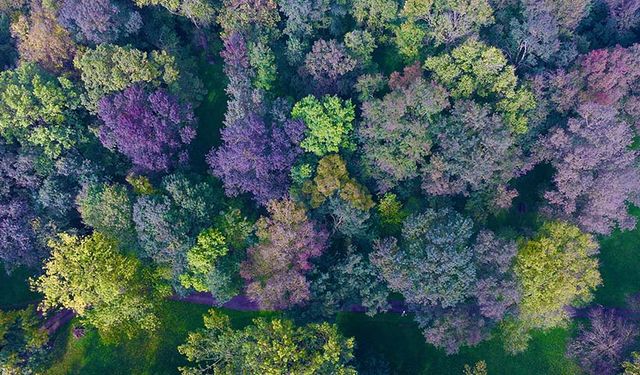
x=398 y=339
x=14 y=288
x=619 y=265
x=155 y=353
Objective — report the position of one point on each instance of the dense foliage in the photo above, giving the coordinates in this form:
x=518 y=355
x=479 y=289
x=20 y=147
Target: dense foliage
x=461 y=162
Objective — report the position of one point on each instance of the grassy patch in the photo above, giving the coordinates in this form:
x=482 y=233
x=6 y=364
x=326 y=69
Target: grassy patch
x=398 y=339
x=14 y=288
x=619 y=265
x=147 y=354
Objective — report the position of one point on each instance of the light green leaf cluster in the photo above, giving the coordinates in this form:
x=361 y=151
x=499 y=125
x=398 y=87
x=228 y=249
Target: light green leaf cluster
x=557 y=268
x=39 y=109
x=268 y=346
x=202 y=258
x=91 y=277
x=110 y=68
x=476 y=70
x=329 y=123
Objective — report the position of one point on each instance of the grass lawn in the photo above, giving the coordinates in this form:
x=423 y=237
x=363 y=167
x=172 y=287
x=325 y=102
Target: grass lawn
x=155 y=354
x=395 y=337
x=14 y=289
x=398 y=340
x=619 y=265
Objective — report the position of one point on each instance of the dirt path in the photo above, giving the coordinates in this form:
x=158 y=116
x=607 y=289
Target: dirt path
x=61 y=318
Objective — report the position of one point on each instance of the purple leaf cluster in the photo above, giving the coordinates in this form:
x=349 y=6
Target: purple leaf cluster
x=99 y=21
x=596 y=174
x=275 y=268
x=329 y=66
x=18 y=243
x=256 y=158
x=151 y=128
x=450 y=329
x=601 y=347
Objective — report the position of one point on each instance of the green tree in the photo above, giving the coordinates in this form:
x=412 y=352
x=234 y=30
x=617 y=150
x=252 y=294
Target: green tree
x=632 y=367
x=108 y=209
x=556 y=268
x=22 y=342
x=449 y=20
x=105 y=288
x=480 y=368
x=332 y=177
x=390 y=210
x=200 y=12
x=268 y=346
x=39 y=109
x=204 y=269
x=263 y=61
x=329 y=123
x=476 y=70
x=409 y=38
x=110 y=68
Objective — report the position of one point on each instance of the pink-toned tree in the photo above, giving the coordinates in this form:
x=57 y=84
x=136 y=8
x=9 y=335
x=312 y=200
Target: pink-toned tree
x=596 y=174
x=601 y=347
x=328 y=65
x=275 y=268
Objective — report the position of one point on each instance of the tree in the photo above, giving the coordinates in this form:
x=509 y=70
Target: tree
x=433 y=264
x=200 y=12
x=275 y=267
x=452 y=328
x=360 y=44
x=475 y=151
x=449 y=20
x=99 y=21
x=409 y=39
x=266 y=346
x=375 y=16
x=40 y=39
x=8 y=53
x=599 y=349
x=476 y=70
x=39 y=109
x=19 y=245
x=480 y=368
x=203 y=271
x=168 y=223
x=352 y=280
x=394 y=134
x=90 y=276
x=22 y=342
x=304 y=18
x=329 y=65
x=624 y=13
x=632 y=367
x=555 y=269
x=329 y=123
x=332 y=177
x=109 y=68
x=595 y=170
x=151 y=128
x=256 y=158
x=108 y=209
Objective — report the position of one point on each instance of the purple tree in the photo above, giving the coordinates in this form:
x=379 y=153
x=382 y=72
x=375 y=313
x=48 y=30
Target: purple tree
x=328 y=64
x=450 y=329
x=152 y=129
x=99 y=21
x=256 y=158
x=595 y=170
x=18 y=242
x=601 y=347
x=624 y=13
